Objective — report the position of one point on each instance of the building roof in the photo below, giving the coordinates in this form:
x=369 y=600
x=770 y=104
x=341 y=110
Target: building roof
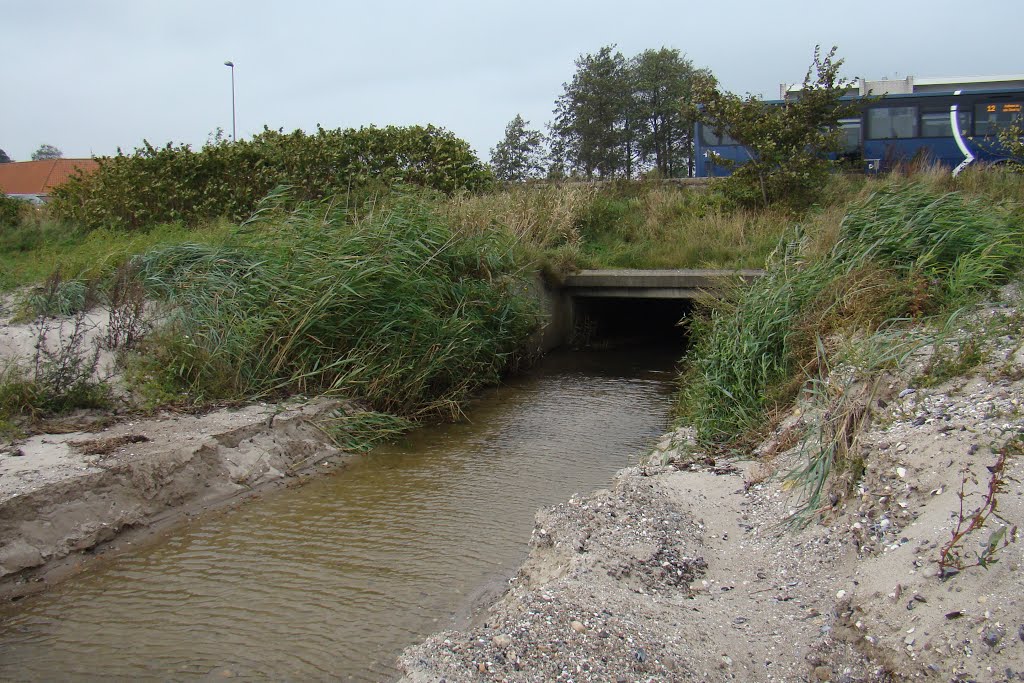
x=39 y=177
x=913 y=84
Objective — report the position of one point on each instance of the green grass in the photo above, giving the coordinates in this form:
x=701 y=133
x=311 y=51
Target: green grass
x=624 y=225
x=35 y=250
x=392 y=307
x=359 y=431
x=905 y=251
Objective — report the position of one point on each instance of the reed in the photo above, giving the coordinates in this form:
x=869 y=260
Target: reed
x=904 y=252
x=392 y=307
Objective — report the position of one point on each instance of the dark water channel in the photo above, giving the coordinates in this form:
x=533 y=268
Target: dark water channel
x=331 y=580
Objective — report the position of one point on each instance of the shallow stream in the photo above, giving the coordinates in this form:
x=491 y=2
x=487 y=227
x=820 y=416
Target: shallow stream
x=333 y=579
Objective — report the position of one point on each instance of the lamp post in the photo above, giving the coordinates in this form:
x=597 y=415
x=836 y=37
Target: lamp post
x=232 y=65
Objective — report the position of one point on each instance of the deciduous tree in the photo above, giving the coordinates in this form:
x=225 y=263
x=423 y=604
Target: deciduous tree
x=663 y=83
x=788 y=144
x=46 y=152
x=520 y=155
x=592 y=115
x=619 y=117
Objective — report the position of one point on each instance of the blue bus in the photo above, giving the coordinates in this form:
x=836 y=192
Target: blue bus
x=954 y=129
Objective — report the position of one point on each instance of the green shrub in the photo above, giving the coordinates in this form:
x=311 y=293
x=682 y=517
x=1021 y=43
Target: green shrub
x=12 y=212
x=226 y=180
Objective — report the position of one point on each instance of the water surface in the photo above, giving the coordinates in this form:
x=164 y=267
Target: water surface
x=332 y=579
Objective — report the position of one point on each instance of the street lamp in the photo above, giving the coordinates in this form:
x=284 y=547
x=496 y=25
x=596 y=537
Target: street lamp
x=232 y=65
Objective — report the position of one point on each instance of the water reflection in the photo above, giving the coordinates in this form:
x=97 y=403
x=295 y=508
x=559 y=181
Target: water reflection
x=332 y=580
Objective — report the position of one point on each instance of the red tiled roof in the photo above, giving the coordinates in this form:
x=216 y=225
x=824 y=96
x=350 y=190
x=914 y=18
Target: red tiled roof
x=39 y=177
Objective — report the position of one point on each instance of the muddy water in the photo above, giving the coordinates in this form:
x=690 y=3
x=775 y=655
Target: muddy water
x=333 y=579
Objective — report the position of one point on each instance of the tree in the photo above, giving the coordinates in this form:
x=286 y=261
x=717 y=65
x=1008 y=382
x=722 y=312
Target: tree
x=520 y=155
x=592 y=115
x=46 y=152
x=1011 y=138
x=619 y=117
x=788 y=144
x=663 y=83
x=3 y=157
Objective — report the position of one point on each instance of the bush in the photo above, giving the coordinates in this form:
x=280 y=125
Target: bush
x=12 y=212
x=226 y=180
x=788 y=144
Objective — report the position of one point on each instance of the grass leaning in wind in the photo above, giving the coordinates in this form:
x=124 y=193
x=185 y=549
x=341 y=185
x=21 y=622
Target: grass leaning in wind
x=904 y=251
x=32 y=252
x=394 y=308
x=360 y=430
x=845 y=385
x=622 y=225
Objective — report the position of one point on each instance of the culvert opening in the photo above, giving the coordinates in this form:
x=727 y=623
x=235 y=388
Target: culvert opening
x=613 y=322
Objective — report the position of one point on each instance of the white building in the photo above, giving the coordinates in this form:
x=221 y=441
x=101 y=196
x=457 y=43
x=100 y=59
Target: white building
x=912 y=84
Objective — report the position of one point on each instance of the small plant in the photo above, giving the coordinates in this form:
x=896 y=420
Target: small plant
x=59 y=296
x=64 y=369
x=947 y=364
x=127 y=324
x=360 y=430
x=952 y=555
x=17 y=398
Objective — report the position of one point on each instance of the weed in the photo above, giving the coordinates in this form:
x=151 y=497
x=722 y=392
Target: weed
x=951 y=556
x=359 y=431
x=64 y=369
x=126 y=300
x=60 y=379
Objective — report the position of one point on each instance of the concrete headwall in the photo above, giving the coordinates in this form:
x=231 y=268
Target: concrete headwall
x=557 y=307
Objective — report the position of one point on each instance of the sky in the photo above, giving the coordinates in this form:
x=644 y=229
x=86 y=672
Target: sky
x=92 y=76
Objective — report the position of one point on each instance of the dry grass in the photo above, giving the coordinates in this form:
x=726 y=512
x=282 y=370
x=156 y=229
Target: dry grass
x=544 y=216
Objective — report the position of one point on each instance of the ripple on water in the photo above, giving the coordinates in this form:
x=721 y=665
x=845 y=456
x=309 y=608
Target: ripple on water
x=332 y=579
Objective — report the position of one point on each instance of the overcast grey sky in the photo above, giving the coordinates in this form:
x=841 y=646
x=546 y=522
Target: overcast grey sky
x=92 y=76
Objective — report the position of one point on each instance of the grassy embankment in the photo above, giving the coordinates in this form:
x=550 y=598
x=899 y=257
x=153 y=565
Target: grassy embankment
x=407 y=303
x=389 y=306
x=863 y=294
x=322 y=299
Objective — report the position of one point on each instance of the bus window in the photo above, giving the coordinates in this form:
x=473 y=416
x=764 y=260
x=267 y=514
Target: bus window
x=892 y=122
x=849 y=136
x=712 y=138
x=935 y=123
x=990 y=117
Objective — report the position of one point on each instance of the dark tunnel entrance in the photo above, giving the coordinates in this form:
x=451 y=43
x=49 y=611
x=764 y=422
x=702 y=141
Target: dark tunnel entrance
x=616 y=322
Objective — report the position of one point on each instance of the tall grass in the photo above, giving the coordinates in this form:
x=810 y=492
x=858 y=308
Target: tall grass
x=393 y=307
x=34 y=250
x=905 y=251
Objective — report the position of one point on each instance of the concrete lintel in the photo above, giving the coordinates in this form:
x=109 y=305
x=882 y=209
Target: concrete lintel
x=637 y=292
x=659 y=279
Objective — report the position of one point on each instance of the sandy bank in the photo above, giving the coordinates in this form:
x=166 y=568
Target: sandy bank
x=689 y=571
x=63 y=494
